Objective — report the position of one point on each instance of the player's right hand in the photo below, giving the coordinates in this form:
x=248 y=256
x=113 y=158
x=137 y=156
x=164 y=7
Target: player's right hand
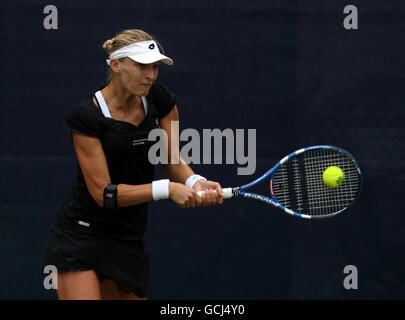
x=184 y=196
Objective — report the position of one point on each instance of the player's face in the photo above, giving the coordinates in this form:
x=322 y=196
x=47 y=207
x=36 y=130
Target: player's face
x=137 y=78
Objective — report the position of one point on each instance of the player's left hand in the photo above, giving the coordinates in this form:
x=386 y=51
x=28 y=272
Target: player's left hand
x=212 y=192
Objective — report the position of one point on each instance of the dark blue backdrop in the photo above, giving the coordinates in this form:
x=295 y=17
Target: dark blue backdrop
x=285 y=68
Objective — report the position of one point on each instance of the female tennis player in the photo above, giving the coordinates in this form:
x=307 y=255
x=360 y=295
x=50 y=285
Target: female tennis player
x=97 y=239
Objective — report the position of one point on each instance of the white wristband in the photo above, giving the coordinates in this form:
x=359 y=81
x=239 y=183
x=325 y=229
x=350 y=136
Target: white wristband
x=191 y=181
x=160 y=189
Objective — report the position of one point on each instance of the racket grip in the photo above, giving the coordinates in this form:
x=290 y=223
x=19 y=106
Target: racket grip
x=226 y=192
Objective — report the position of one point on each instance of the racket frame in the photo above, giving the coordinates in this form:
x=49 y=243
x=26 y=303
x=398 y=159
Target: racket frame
x=241 y=191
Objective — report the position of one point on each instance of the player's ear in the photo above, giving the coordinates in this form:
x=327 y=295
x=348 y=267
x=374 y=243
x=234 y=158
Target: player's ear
x=115 y=66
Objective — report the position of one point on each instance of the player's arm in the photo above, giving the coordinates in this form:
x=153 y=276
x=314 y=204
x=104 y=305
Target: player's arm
x=178 y=170
x=94 y=166
x=95 y=171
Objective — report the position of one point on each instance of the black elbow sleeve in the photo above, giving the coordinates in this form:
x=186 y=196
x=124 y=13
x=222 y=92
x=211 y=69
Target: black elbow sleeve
x=110 y=197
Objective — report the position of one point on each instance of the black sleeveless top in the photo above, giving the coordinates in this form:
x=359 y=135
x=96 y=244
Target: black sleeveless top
x=126 y=149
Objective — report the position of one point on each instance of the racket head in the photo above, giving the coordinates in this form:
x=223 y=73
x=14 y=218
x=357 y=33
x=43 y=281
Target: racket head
x=296 y=183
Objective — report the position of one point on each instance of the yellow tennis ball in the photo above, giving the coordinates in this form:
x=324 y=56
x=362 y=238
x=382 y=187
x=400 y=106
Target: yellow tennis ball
x=333 y=176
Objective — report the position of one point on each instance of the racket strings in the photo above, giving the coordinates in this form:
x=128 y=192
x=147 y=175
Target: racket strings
x=322 y=197
x=310 y=195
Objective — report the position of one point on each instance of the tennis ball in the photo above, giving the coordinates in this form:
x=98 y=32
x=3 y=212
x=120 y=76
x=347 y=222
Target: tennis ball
x=333 y=176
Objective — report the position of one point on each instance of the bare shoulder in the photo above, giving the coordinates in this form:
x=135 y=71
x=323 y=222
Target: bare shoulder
x=95 y=102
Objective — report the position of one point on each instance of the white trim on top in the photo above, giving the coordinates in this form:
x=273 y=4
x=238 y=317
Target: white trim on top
x=103 y=104
x=106 y=111
x=145 y=104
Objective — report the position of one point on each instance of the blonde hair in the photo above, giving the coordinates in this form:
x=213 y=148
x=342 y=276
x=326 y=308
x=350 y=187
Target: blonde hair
x=125 y=38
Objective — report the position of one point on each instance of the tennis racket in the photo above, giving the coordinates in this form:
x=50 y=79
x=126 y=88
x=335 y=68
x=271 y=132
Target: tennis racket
x=296 y=185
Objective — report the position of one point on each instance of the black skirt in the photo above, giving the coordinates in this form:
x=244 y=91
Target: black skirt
x=121 y=260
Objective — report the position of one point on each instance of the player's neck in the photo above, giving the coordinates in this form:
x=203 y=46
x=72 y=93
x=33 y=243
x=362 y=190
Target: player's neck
x=118 y=98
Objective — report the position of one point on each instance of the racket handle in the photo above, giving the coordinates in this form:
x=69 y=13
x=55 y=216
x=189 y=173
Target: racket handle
x=226 y=192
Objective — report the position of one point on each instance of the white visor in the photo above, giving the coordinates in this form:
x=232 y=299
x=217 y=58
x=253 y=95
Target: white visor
x=144 y=52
